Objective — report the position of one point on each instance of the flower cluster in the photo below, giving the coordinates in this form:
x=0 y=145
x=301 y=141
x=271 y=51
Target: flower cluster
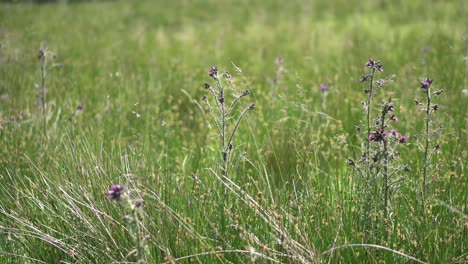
x=375 y=66
x=381 y=134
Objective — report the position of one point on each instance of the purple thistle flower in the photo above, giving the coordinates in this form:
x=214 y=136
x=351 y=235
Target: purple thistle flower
x=374 y=65
x=394 y=118
x=323 y=87
x=370 y=63
x=115 y=193
x=394 y=133
x=371 y=137
x=403 y=139
x=213 y=71
x=363 y=79
x=426 y=83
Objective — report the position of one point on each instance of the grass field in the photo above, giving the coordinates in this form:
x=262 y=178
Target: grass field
x=121 y=104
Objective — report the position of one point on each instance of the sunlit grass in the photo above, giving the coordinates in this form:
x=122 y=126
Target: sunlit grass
x=125 y=108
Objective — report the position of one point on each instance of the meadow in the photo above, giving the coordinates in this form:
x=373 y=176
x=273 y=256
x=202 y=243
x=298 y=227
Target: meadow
x=242 y=131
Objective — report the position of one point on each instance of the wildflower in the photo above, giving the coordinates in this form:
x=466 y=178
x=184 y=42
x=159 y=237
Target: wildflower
x=371 y=137
x=323 y=87
x=227 y=75
x=370 y=63
x=251 y=107
x=394 y=118
x=403 y=138
x=381 y=82
x=213 y=71
x=363 y=78
x=207 y=86
x=42 y=53
x=115 y=192
x=426 y=83
x=374 y=65
x=394 y=133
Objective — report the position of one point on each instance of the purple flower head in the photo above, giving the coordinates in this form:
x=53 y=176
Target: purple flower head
x=374 y=65
x=426 y=83
x=363 y=78
x=370 y=63
x=213 y=71
x=394 y=118
x=115 y=193
x=381 y=82
x=323 y=87
x=403 y=138
x=378 y=135
x=394 y=133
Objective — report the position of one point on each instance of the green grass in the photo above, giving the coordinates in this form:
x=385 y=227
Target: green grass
x=140 y=66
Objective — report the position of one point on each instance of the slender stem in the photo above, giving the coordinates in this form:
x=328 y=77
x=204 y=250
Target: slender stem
x=140 y=252
x=236 y=126
x=427 y=137
x=385 y=179
x=43 y=65
x=368 y=109
x=385 y=159
x=222 y=106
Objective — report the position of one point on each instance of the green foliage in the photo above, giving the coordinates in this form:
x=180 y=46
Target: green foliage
x=125 y=108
